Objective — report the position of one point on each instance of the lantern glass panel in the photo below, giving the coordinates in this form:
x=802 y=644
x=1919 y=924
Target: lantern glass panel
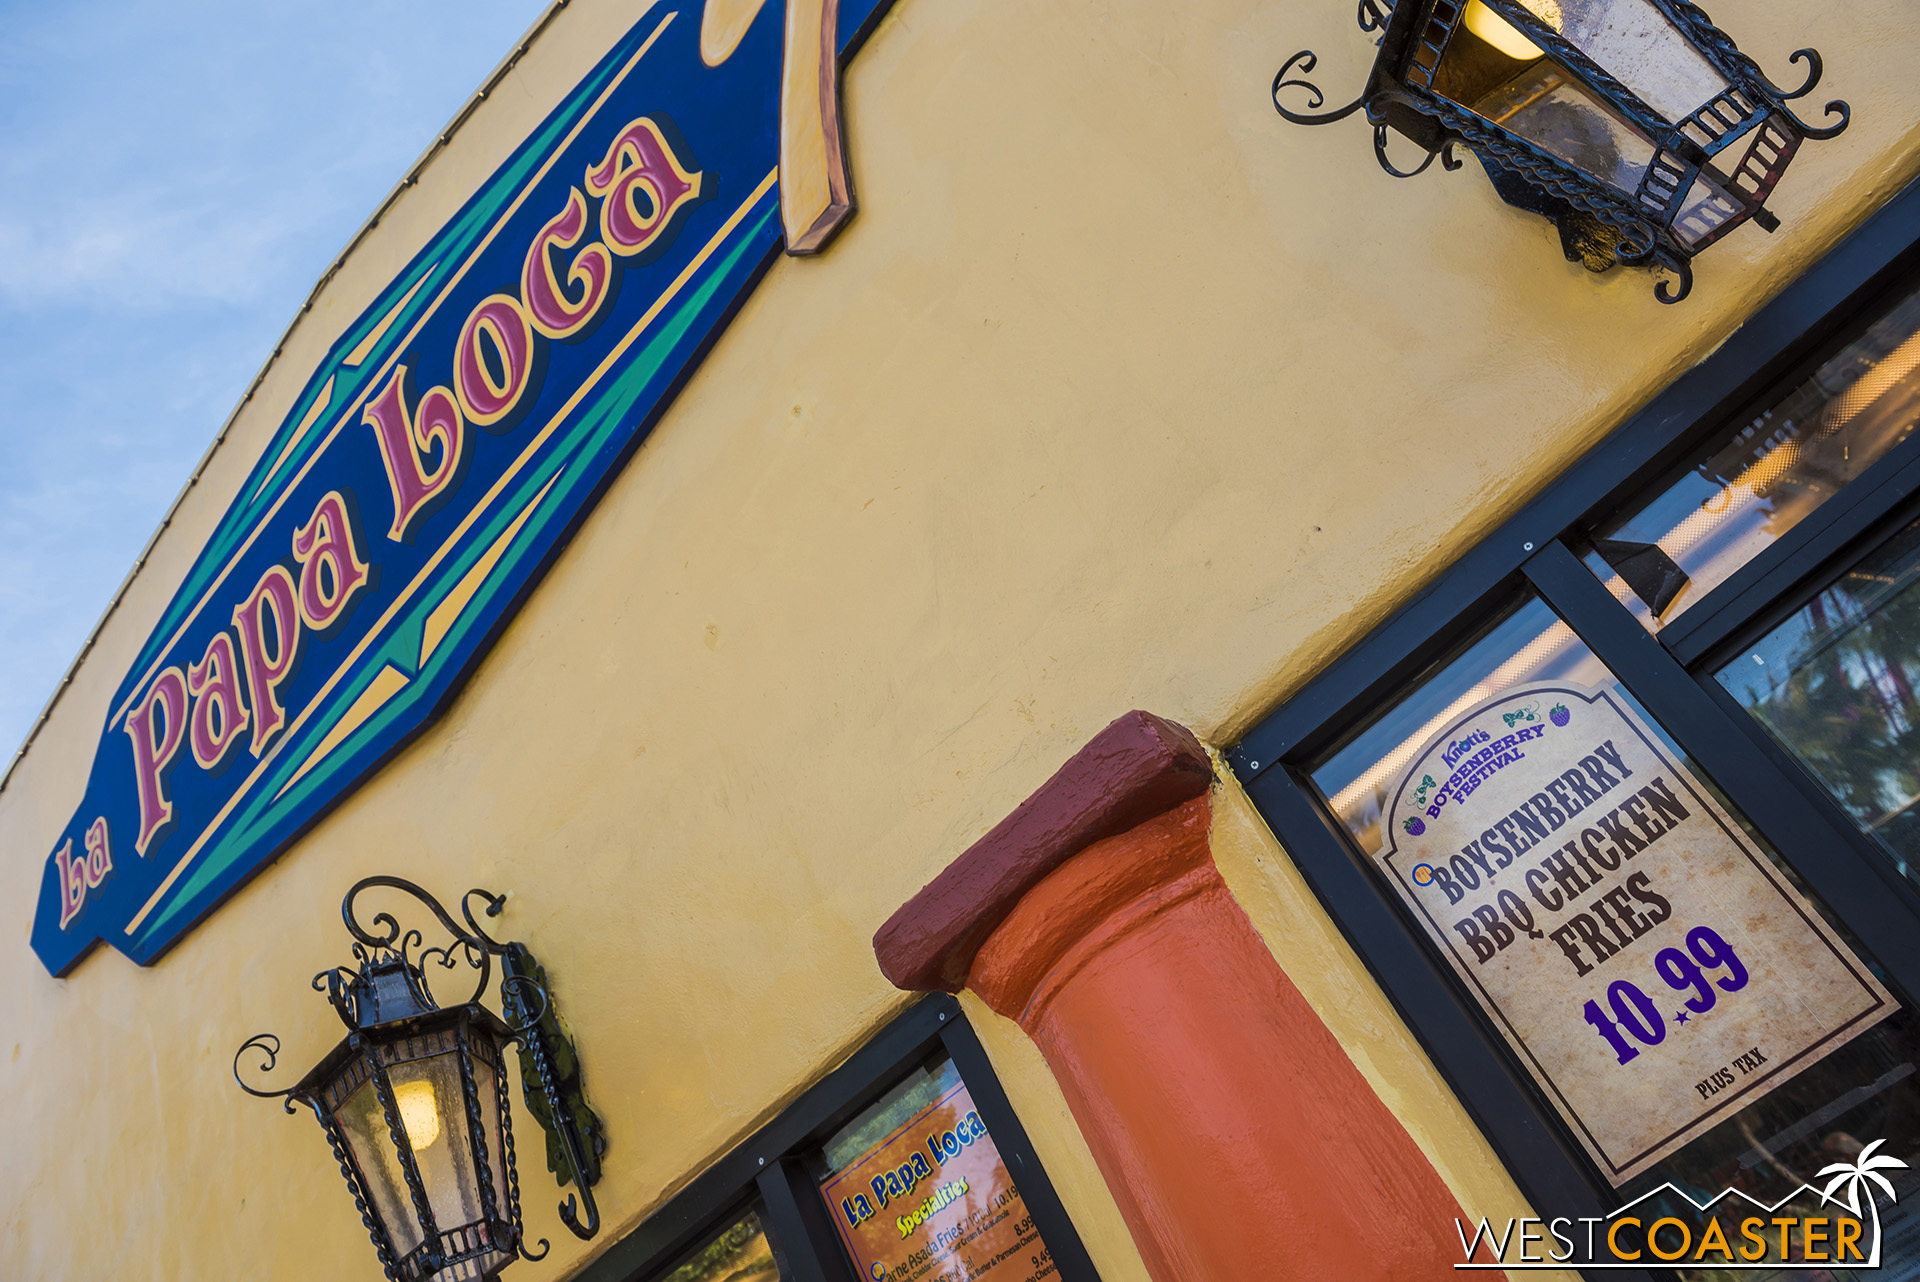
x=363 y=1123
x=1539 y=100
x=486 y=1082
x=1639 y=46
x=432 y=1107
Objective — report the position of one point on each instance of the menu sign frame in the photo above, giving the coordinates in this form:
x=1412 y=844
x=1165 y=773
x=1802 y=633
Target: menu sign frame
x=1647 y=962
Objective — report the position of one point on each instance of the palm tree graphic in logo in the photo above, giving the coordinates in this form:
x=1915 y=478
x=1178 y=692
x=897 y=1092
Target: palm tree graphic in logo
x=1855 y=1177
x=1849 y=1183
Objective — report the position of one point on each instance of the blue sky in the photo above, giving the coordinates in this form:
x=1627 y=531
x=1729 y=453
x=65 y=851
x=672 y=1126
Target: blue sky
x=174 y=176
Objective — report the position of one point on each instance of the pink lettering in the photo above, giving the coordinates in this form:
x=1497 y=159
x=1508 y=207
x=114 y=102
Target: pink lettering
x=407 y=440
x=548 y=306
x=640 y=167
x=331 y=569
x=498 y=324
x=156 y=725
x=269 y=656
x=218 y=715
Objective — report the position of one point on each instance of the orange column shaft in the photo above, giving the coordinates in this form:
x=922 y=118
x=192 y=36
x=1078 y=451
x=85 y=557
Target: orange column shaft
x=1236 y=1135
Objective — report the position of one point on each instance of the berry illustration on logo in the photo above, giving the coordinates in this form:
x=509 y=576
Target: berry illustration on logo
x=1560 y=715
x=1415 y=826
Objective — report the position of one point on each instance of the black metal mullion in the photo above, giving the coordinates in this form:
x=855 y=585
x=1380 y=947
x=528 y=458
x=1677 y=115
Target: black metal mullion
x=1823 y=854
x=800 y=1226
x=1016 y=1150
x=1757 y=587
x=1813 y=791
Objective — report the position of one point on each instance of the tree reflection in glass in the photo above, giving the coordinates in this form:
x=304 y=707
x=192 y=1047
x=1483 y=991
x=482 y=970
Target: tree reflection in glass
x=1835 y=685
x=739 y=1253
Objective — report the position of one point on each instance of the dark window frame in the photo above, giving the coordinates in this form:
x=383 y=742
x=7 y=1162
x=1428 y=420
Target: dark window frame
x=767 y=1171
x=1537 y=552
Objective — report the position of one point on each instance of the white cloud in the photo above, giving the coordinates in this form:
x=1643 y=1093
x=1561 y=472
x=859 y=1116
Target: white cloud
x=173 y=178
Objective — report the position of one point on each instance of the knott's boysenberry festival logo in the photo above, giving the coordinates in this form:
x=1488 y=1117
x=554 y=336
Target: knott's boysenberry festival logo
x=443 y=451
x=1730 y=1232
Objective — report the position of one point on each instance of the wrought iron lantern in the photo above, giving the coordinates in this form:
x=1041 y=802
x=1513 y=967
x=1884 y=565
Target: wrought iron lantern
x=1636 y=125
x=414 y=1100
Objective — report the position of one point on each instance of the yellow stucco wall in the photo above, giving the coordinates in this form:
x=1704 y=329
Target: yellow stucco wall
x=1118 y=393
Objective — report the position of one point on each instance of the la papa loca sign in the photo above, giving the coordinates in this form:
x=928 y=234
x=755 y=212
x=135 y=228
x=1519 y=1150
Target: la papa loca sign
x=433 y=464
x=1649 y=965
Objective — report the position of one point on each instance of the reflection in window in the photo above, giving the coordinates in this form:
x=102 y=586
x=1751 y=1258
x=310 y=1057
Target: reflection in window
x=738 y=1254
x=1835 y=684
x=1531 y=644
x=891 y=1111
x=1745 y=491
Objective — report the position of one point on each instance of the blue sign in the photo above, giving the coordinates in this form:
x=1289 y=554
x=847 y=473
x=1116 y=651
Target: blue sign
x=435 y=462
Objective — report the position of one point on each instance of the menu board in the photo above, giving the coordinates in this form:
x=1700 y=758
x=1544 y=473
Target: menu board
x=1653 y=969
x=932 y=1202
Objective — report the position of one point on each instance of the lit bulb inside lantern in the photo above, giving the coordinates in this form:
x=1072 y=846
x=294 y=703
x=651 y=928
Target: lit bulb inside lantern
x=418 y=1112
x=1500 y=33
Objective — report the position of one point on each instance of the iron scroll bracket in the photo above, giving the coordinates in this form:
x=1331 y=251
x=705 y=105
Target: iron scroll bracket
x=1601 y=226
x=550 y=1070
x=550 y=1075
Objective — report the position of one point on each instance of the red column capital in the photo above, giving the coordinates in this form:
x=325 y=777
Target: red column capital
x=1238 y=1138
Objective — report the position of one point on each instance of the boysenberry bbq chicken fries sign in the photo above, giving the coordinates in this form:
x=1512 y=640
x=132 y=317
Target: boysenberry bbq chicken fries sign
x=1653 y=969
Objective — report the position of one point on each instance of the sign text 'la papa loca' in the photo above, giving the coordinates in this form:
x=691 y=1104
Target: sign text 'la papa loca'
x=442 y=452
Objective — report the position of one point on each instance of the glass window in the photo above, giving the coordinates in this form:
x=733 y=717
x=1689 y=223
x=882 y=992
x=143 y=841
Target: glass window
x=917 y=1189
x=1530 y=644
x=916 y=1184
x=738 y=1253
x=1834 y=684
x=1458 y=797
x=1747 y=489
